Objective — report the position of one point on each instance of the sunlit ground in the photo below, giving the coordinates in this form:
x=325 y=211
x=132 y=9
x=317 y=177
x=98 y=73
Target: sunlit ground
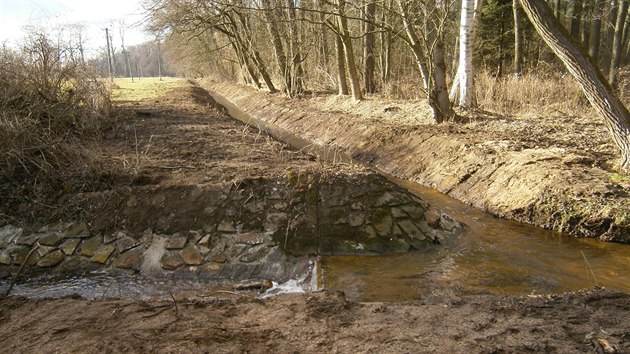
x=124 y=89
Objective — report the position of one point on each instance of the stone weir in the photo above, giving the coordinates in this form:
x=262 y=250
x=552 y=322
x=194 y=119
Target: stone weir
x=253 y=229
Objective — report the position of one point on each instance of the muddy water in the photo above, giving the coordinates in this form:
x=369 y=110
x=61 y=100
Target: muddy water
x=492 y=256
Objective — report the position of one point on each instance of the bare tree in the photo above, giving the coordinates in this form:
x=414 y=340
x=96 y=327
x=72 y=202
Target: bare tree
x=614 y=114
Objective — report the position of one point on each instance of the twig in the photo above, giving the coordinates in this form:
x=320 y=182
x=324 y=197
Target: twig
x=589 y=269
x=174 y=302
x=28 y=256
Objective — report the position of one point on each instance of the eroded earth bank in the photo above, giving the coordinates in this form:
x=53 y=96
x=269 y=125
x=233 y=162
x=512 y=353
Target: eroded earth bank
x=190 y=194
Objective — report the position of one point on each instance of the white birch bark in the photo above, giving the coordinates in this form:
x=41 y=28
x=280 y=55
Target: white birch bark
x=463 y=88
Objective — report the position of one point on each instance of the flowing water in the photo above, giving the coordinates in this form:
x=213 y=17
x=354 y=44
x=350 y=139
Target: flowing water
x=493 y=255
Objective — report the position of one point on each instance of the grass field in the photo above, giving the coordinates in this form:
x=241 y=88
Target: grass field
x=144 y=88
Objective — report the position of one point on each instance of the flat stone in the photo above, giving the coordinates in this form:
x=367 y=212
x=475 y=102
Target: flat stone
x=357 y=206
x=102 y=253
x=177 y=241
x=399 y=213
x=89 y=246
x=432 y=216
x=383 y=224
x=44 y=250
x=19 y=254
x=171 y=261
x=5 y=258
x=250 y=238
x=27 y=240
x=191 y=255
x=254 y=254
x=51 y=239
x=356 y=219
x=131 y=259
x=126 y=243
x=226 y=226
x=77 y=229
x=203 y=250
x=8 y=233
x=448 y=224
x=51 y=259
x=109 y=238
x=69 y=246
x=204 y=240
x=218 y=256
x=276 y=221
x=411 y=230
x=369 y=231
x=194 y=236
x=414 y=211
x=386 y=199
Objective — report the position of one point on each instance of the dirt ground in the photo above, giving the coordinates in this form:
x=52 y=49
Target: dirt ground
x=591 y=321
x=183 y=139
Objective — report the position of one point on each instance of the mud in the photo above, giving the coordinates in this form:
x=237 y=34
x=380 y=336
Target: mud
x=553 y=172
x=588 y=321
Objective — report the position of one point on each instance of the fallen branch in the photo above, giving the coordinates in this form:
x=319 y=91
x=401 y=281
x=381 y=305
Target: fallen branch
x=28 y=256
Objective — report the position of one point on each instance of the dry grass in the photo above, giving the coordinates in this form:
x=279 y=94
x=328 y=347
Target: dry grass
x=49 y=104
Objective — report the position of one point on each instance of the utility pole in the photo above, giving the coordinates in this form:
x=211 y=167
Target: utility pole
x=109 y=56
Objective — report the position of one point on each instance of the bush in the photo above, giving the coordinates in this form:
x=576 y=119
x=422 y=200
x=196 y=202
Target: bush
x=49 y=102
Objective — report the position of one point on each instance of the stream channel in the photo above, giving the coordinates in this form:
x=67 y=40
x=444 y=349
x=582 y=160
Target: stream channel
x=491 y=256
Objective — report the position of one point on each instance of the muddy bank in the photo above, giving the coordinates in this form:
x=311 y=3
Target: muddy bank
x=588 y=321
x=553 y=173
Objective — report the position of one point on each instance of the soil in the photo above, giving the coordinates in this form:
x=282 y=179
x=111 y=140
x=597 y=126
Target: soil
x=184 y=139
x=550 y=170
x=594 y=321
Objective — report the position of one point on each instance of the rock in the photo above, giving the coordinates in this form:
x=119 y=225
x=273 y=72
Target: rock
x=414 y=211
x=448 y=224
x=69 y=246
x=171 y=261
x=89 y=246
x=386 y=199
x=5 y=258
x=109 y=238
x=356 y=219
x=8 y=233
x=369 y=231
x=177 y=241
x=226 y=226
x=411 y=230
x=78 y=229
x=254 y=254
x=250 y=238
x=27 y=240
x=44 y=250
x=203 y=250
x=357 y=206
x=51 y=259
x=217 y=256
x=51 y=239
x=432 y=216
x=276 y=221
x=382 y=223
x=126 y=243
x=191 y=255
x=194 y=236
x=399 y=213
x=19 y=254
x=204 y=240
x=131 y=259
x=102 y=253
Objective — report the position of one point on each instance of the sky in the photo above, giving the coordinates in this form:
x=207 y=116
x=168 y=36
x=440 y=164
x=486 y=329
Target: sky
x=94 y=15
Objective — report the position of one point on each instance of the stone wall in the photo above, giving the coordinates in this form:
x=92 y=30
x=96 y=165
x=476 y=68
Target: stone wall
x=255 y=229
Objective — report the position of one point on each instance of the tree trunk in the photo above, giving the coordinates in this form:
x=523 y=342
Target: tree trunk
x=597 y=91
x=297 y=86
x=342 y=84
x=596 y=29
x=355 y=86
x=368 y=53
x=278 y=46
x=576 y=19
x=518 y=39
x=466 y=71
x=617 y=46
x=386 y=45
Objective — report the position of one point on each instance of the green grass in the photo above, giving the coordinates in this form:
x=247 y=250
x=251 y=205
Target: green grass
x=619 y=178
x=143 y=89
